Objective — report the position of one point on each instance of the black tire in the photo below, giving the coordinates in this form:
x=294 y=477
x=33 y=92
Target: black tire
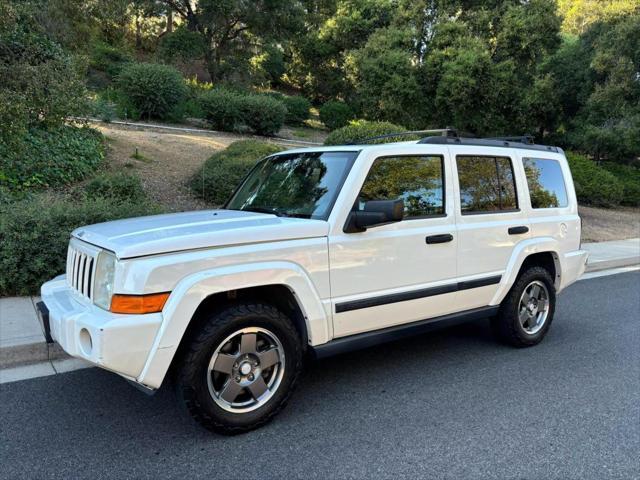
x=191 y=380
x=506 y=325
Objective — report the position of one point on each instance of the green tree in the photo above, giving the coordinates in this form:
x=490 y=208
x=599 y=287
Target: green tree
x=230 y=28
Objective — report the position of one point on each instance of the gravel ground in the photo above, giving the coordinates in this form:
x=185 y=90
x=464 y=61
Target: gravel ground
x=453 y=404
x=168 y=162
x=603 y=224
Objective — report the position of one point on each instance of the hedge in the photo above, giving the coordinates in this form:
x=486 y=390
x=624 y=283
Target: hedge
x=224 y=170
x=50 y=158
x=263 y=115
x=154 y=90
x=297 y=109
x=361 y=129
x=335 y=114
x=122 y=187
x=222 y=108
x=630 y=178
x=34 y=234
x=594 y=185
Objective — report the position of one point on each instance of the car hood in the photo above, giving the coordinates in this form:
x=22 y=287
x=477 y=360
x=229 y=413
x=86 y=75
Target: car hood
x=134 y=237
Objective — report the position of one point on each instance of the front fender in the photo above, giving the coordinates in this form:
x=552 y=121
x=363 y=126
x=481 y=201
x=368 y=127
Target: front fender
x=193 y=289
x=521 y=251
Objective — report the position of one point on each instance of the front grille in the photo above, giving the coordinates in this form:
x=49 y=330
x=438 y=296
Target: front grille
x=80 y=270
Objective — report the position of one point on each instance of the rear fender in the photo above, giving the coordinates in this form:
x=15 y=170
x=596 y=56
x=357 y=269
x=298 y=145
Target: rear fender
x=519 y=255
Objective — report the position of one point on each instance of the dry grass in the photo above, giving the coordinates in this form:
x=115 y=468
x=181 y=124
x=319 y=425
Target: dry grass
x=165 y=161
x=600 y=224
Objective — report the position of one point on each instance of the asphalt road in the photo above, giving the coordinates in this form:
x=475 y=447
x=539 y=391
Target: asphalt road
x=452 y=404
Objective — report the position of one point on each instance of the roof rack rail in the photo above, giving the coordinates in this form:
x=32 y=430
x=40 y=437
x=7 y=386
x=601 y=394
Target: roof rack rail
x=527 y=139
x=525 y=142
x=444 y=132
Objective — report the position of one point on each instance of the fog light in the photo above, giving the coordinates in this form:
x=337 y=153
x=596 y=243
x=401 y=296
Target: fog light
x=86 y=344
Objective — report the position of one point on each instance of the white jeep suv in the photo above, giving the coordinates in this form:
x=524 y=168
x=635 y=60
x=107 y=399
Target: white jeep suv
x=320 y=251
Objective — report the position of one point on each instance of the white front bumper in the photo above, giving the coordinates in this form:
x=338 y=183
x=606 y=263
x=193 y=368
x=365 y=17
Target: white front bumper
x=120 y=343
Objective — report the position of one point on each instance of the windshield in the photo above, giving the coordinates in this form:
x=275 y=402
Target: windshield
x=301 y=185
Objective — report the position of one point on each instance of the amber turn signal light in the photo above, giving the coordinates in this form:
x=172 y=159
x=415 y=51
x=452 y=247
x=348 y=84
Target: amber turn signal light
x=138 y=303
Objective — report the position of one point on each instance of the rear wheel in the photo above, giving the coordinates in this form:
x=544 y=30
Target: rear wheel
x=240 y=369
x=526 y=313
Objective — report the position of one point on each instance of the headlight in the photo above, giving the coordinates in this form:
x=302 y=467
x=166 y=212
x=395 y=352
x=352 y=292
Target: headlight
x=103 y=285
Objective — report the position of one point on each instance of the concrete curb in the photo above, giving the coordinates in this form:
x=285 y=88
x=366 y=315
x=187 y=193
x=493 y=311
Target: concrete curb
x=22 y=339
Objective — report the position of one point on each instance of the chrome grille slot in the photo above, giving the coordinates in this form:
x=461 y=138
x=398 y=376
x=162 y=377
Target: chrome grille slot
x=81 y=263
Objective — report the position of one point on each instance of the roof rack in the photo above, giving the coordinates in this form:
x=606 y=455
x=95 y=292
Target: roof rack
x=444 y=132
x=450 y=136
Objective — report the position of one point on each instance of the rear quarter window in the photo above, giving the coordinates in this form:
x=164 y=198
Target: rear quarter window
x=546 y=183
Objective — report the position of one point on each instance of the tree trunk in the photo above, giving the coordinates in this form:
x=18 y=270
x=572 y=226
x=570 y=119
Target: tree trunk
x=169 y=20
x=138 y=32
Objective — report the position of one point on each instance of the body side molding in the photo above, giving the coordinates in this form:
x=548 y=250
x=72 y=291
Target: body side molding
x=415 y=294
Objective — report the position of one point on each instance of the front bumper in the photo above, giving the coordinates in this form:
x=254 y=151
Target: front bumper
x=120 y=343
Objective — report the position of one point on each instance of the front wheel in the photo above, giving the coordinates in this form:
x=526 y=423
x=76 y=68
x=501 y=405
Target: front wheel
x=526 y=313
x=240 y=369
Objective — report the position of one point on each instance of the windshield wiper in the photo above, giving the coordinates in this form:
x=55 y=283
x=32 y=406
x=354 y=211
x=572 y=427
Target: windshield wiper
x=272 y=211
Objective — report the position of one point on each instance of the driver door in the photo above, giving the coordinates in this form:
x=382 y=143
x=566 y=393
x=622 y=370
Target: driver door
x=404 y=271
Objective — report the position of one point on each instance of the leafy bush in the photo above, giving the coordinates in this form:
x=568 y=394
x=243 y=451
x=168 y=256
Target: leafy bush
x=297 y=109
x=153 y=89
x=116 y=186
x=262 y=114
x=51 y=158
x=40 y=83
x=182 y=44
x=335 y=114
x=109 y=59
x=222 y=108
x=630 y=178
x=224 y=170
x=361 y=129
x=594 y=185
x=34 y=235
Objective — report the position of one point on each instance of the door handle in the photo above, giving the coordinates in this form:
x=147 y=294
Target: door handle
x=518 y=230
x=443 y=238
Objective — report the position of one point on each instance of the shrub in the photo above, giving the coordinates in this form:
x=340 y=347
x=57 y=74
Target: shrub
x=361 y=129
x=297 y=109
x=630 y=178
x=116 y=186
x=181 y=44
x=154 y=90
x=224 y=170
x=335 y=114
x=222 y=108
x=594 y=185
x=35 y=232
x=51 y=158
x=109 y=59
x=263 y=115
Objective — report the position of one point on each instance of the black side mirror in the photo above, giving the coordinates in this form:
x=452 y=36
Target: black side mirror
x=375 y=213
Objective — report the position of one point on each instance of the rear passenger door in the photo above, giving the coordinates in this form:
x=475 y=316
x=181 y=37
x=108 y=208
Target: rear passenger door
x=489 y=217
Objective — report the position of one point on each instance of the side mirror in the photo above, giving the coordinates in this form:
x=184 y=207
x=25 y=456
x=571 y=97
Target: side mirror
x=375 y=213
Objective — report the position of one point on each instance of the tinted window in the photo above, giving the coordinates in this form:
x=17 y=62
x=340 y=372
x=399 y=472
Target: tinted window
x=416 y=180
x=546 y=183
x=486 y=184
x=295 y=185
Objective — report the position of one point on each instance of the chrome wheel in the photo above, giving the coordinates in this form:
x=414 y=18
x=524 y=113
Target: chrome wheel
x=533 y=308
x=246 y=370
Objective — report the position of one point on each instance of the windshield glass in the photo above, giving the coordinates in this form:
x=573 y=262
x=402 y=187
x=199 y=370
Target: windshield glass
x=301 y=185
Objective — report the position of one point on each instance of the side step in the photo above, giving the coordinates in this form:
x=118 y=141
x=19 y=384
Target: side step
x=377 y=337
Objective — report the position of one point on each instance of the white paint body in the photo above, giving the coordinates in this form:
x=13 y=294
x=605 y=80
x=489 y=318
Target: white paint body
x=197 y=254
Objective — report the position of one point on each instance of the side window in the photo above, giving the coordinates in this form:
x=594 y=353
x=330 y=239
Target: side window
x=546 y=183
x=487 y=184
x=418 y=180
